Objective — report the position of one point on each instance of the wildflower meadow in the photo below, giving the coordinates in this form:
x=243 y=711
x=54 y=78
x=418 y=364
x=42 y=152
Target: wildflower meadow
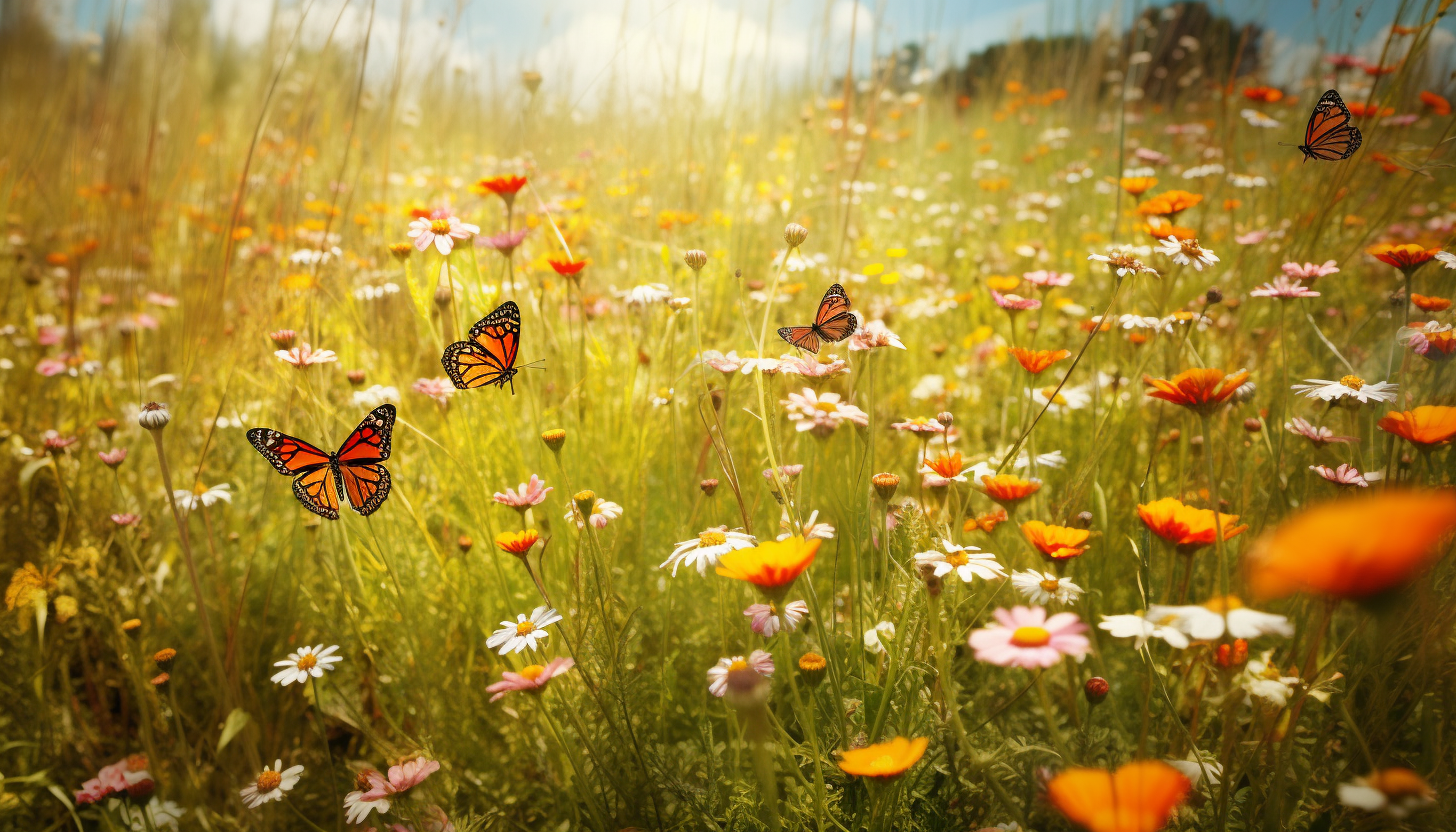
x=1048 y=434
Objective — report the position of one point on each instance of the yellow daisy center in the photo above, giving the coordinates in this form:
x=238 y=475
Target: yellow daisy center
x=1224 y=603
x=1051 y=584
x=269 y=780
x=525 y=628
x=957 y=559
x=741 y=664
x=826 y=407
x=1031 y=637
x=712 y=538
x=1353 y=382
x=307 y=662
x=439 y=226
x=532 y=671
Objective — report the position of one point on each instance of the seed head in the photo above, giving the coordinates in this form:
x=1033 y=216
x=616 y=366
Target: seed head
x=1213 y=295
x=355 y=377
x=696 y=259
x=154 y=416
x=464 y=542
x=164 y=658
x=795 y=234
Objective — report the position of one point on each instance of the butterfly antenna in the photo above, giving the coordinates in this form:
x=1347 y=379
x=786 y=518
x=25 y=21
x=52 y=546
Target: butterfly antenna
x=538 y=364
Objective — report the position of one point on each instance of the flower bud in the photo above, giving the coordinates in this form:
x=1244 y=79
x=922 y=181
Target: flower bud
x=585 y=501
x=885 y=485
x=945 y=417
x=1084 y=519
x=1096 y=690
x=696 y=259
x=401 y=251
x=554 y=438
x=1232 y=655
x=708 y=486
x=795 y=234
x=464 y=542
x=106 y=426
x=355 y=377
x=531 y=80
x=160 y=681
x=1253 y=425
x=443 y=295
x=283 y=338
x=132 y=626
x=1213 y=295
x=164 y=658
x=933 y=583
x=811 y=668
x=154 y=416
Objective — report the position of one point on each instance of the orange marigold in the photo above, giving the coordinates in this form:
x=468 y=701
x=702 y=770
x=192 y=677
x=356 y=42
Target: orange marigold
x=1426 y=426
x=1035 y=361
x=1428 y=303
x=1137 y=185
x=884 y=760
x=517 y=543
x=1267 y=95
x=985 y=522
x=1008 y=488
x=1185 y=526
x=1139 y=797
x=1056 y=542
x=1199 y=389
x=1169 y=203
x=771 y=566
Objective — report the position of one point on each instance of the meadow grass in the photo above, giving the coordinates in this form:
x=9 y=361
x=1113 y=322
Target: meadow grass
x=181 y=213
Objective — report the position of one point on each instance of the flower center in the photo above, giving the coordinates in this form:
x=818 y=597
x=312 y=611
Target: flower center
x=1031 y=637
x=712 y=539
x=1353 y=382
x=269 y=780
x=1051 y=584
x=884 y=762
x=826 y=407
x=439 y=226
x=525 y=628
x=1224 y=604
x=307 y=662
x=741 y=664
x=957 y=559
x=532 y=671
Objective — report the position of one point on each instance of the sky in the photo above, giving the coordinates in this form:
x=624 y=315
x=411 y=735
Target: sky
x=584 y=46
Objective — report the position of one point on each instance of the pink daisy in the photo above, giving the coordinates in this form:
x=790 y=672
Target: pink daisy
x=441 y=232
x=1310 y=271
x=1014 y=303
x=920 y=424
x=402 y=778
x=1320 y=436
x=768 y=619
x=1345 y=475
x=759 y=661
x=1025 y=637
x=531 y=678
x=1045 y=280
x=1284 y=288
x=527 y=494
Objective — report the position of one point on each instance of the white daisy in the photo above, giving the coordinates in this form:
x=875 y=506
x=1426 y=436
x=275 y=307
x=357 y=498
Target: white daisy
x=1205 y=622
x=442 y=232
x=356 y=809
x=1447 y=258
x=647 y=294
x=1262 y=680
x=203 y=496
x=705 y=549
x=967 y=562
x=513 y=637
x=1044 y=587
x=1187 y=253
x=759 y=661
x=1348 y=387
x=876 y=635
x=1196 y=765
x=1124 y=263
x=1398 y=792
x=308 y=661
x=813 y=529
x=1140 y=628
x=271 y=785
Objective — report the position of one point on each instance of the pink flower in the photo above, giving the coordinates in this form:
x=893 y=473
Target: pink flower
x=758 y=661
x=506 y=241
x=528 y=494
x=1344 y=61
x=1014 y=303
x=1252 y=238
x=786 y=472
x=531 y=678
x=1025 y=637
x=873 y=335
x=1345 y=475
x=159 y=299
x=821 y=413
x=305 y=356
x=1320 y=436
x=402 y=778
x=811 y=367
x=113 y=457
x=52 y=366
x=1046 y=280
x=125 y=519
x=49 y=336
x=726 y=364
x=115 y=779
x=441 y=231
x=920 y=424
x=1309 y=271
x=439 y=389
x=1147 y=154
x=1283 y=288
x=768 y=619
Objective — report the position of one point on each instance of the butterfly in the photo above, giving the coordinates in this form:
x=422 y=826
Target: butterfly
x=489 y=357
x=1329 y=134
x=833 y=322
x=322 y=480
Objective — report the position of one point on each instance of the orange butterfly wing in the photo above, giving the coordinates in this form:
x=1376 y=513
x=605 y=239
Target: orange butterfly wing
x=311 y=468
x=318 y=491
x=489 y=357
x=1329 y=135
x=362 y=480
x=803 y=337
x=322 y=480
x=834 y=321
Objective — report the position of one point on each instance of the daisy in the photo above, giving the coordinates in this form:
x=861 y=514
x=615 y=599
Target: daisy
x=513 y=637
x=920 y=424
x=1320 y=436
x=1043 y=279
x=307 y=662
x=875 y=636
x=1206 y=622
x=528 y=494
x=1261 y=679
x=1283 y=288
x=1350 y=387
x=1187 y=253
x=1123 y=263
x=725 y=364
x=357 y=807
x=505 y=242
x=705 y=549
x=1014 y=303
x=968 y=562
x=821 y=413
x=441 y=232
x=305 y=356
x=813 y=529
x=1448 y=259
x=531 y=679
x=767 y=366
x=1398 y=792
x=874 y=334
x=203 y=496
x=1196 y=765
x=1058 y=401
x=768 y=618
x=1345 y=475
x=947 y=467
x=603 y=512
x=1045 y=587
x=271 y=785
x=401 y=778
x=1309 y=271
x=1138 y=627
x=759 y=661
x=812 y=367
x=1026 y=637
x=439 y=389
x=1258 y=119
x=647 y=294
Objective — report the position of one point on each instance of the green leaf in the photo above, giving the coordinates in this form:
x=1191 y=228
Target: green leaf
x=236 y=721
x=31 y=468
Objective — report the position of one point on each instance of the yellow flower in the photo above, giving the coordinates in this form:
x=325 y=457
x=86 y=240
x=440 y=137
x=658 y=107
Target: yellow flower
x=770 y=566
x=27 y=583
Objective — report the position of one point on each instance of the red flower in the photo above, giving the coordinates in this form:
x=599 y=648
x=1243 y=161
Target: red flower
x=568 y=268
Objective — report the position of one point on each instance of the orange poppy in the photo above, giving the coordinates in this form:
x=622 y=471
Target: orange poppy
x=1407 y=256
x=771 y=566
x=1200 y=390
x=1187 y=527
x=1437 y=104
x=504 y=187
x=1427 y=303
x=567 y=268
x=1268 y=95
x=1139 y=797
x=884 y=760
x=1352 y=548
x=1008 y=488
x=985 y=522
x=517 y=543
x=1137 y=185
x=1362 y=110
x=1169 y=203
x=1425 y=426
x=1056 y=542
x=1035 y=361
x=948 y=467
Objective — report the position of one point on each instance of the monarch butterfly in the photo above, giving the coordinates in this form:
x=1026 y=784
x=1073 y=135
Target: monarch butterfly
x=489 y=357
x=1329 y=134
x=321 y=479
x=833 y=322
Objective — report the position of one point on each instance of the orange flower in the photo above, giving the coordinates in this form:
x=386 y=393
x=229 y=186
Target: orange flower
x=1137 y=185
x=1439 y=345
x=1362 y=110
x=567 y=268
x=1200 y=390
x=1139 y=797
x=1187 y=527
x=1437 y=104
x=1425 y=426
x=1003 y=283
x=986 y=522
x=771 y=566
x=1268 y=95
x=1427 y=303
x=1169 y=203
x=1035 y=361
x=517 y=543
x=1407 y=256
x=1008 y=488
x=1352 y=548
x=1056 y=542
x=884 y=760
x=1177 y=232
x=504 y=187
x=948 y=467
